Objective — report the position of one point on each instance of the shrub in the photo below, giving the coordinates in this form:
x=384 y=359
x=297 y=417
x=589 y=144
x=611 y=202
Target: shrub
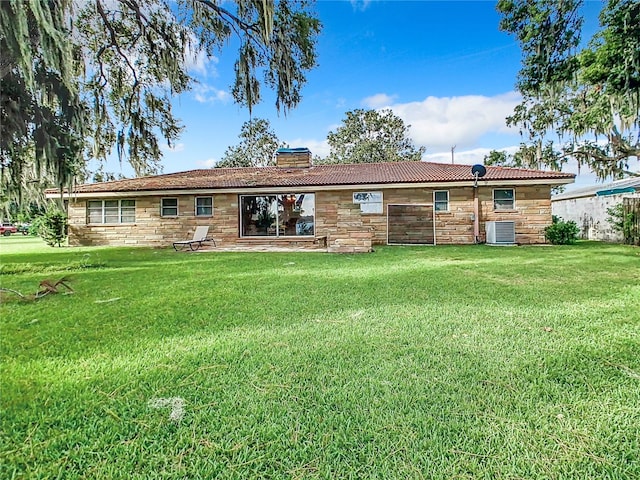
x=52 y=226
x=620 y=221
x=561 y=232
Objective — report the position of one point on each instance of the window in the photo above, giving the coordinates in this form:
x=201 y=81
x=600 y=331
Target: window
x=441 y=200
x=292 y=214
x=204 y=206
x=169 y=207
x=127 y=211
x=503 y=199
x=370 y=202
x=111 y=211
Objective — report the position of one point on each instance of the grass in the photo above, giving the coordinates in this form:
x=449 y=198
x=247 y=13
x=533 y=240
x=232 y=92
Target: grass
x=410 y=362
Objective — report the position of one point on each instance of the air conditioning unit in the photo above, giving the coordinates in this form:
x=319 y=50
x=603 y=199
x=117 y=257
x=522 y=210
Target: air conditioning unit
x=501 y=233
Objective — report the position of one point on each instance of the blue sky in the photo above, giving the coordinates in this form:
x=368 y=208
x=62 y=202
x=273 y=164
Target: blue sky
x=442 y=66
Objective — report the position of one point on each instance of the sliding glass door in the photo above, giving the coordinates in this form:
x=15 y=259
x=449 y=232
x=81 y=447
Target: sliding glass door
x=282 y=215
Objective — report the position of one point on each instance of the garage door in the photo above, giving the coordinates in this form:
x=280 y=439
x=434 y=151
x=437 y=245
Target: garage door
x=410 y=224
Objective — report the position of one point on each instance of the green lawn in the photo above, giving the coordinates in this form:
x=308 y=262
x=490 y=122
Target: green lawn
x=410 y=362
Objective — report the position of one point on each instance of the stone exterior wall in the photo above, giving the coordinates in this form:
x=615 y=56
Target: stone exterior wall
x=150 y=228
x=337 y=220
x=532 y=212
x=348 y=233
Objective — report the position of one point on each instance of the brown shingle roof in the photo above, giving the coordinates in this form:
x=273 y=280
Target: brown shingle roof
x=319 y=175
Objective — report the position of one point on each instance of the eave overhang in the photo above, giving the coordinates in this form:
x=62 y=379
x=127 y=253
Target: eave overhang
x=307 y=188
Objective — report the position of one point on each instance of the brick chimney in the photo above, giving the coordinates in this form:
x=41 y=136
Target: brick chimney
x=293 y=158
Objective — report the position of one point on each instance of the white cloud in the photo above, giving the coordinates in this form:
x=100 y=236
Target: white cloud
x=359 y=5
x=198 y=62
x=378 y=101
x=465 y=157
x=440 y=122
x=204 y=93
x=317 y=147
x=208 y=163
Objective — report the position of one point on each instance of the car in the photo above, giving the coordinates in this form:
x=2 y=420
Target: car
x=24 y=228
x=7 y=229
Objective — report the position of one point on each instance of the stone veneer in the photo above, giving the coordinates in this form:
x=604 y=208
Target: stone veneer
x=338 y=220
x=345 y=229
x=299 y=159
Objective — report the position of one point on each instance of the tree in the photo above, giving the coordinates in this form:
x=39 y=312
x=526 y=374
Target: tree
x=52 y=225
x=41 y=114
x=527 y=156
x=497 y=158
x=368 y=136
x=257 y=147
x=590 y=98
x=29 y=199
x=81 y=78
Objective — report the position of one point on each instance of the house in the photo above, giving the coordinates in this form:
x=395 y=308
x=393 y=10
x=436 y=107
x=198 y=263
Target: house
x=346 y=208
x=588 y=207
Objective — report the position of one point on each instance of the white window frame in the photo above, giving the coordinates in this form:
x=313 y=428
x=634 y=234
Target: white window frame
x=206 y=206
x=504 y=209
x=163 y=207
x=436 y=202
x=367 y=205
x=121 y=211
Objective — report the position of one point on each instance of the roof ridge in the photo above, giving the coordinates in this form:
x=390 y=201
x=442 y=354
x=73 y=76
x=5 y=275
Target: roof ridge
x=319 y=176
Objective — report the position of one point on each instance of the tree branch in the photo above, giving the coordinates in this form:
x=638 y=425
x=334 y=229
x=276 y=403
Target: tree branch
x=114 y=41
x=249 y=29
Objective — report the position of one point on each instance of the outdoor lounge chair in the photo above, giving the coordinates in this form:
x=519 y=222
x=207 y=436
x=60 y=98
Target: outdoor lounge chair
x=199 y=238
